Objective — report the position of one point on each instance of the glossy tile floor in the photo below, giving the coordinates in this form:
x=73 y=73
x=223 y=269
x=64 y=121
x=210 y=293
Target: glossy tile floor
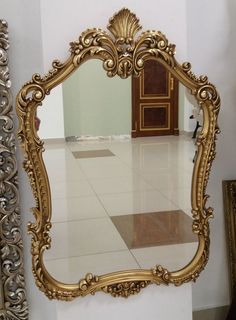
x=100 y=189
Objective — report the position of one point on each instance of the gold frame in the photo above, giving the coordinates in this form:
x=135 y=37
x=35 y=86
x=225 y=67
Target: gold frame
x=229 y=193
x=122 y=55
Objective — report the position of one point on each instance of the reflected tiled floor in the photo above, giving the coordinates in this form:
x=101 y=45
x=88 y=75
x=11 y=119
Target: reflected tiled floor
x=136 y=202
x=92 y=154
x=119 y=205
x=154 y=229
x=70 y=270
x=84 y=237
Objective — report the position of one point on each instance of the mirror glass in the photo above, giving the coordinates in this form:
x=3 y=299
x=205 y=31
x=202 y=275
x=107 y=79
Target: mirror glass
x=118 y=202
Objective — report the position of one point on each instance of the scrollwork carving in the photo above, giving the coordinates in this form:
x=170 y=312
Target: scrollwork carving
x=123 y=55
x=125 y=289
x=11 y=247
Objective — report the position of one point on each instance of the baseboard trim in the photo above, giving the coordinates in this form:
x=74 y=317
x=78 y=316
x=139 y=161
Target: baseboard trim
x=54 y=140
x=186 y=133
x=98 y=138
x=218 y=313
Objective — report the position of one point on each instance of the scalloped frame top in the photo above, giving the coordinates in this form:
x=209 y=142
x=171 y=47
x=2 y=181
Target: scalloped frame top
x=122 y=55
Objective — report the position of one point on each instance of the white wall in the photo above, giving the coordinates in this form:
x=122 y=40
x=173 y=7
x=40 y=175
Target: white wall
x=25 y=58
x=153 y=303
x=211 y=49
x=63 y=22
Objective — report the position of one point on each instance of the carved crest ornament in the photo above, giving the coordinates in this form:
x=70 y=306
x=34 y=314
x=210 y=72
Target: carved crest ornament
x=124 y=55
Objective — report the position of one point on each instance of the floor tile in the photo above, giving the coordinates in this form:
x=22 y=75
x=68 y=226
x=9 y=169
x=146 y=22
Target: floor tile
x=118 y=185
x=71 y=270
x=167 y=180
x=172 y=257
x=69 y=189
x=62 y=166
x=84 y=237
x=100 y=169
x=69 y=209
x=136 y=202
x=93 y=153
x=64 y=174
x=181 y=197
x=155 y=229
x=144 y=175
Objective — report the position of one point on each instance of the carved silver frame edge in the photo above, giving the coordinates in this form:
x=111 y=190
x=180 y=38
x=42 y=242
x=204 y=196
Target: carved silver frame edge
x=13 y=303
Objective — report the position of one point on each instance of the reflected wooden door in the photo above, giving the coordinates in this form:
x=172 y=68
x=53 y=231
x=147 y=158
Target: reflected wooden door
x=154 y=102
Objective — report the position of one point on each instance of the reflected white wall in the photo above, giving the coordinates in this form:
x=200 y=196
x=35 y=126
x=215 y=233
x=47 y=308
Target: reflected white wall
x=52 y=116
x=69 y=23
x=96 y=105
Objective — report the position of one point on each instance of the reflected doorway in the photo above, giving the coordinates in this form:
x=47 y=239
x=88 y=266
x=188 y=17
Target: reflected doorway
x=154 y=102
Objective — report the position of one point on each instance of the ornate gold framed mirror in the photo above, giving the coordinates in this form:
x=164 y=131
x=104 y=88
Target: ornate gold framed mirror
x=124 y=55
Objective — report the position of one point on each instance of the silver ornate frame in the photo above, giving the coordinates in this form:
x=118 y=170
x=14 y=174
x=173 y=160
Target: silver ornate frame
x=13 y=304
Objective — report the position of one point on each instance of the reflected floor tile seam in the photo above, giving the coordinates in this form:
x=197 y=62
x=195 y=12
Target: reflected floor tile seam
x=122 y=163
x=136 y=202
x=160 y=188
x=135 y=258
x=96 y=195
x=88 y=255
x=99 y=199
x=133 y=251
x=119 y=185
x=145 y=256
x=121 y=159
x=72 y=270
x=177 y=202
x=164 y=195
x=71 y=189
x=76 y=208
x=81 y=196
x=79 y=219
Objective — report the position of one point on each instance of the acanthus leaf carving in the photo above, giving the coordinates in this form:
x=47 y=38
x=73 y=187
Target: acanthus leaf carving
x=13 y=293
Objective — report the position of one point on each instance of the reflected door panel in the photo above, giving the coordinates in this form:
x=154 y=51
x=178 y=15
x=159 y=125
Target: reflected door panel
x=154 y=102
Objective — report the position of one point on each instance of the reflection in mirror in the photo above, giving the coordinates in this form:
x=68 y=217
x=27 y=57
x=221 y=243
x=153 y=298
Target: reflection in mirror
x=118 y=202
